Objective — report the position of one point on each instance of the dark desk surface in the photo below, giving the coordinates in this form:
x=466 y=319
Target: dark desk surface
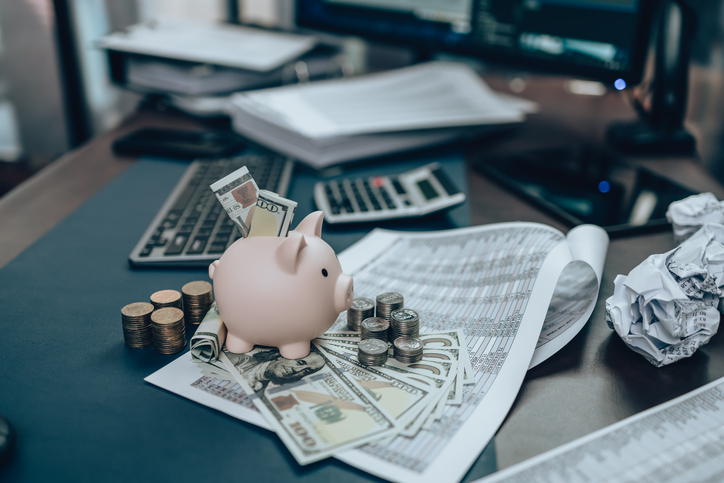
x=591 y=383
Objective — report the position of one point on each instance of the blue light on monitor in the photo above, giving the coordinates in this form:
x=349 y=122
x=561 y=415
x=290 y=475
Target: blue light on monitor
x=604 y=186
x=619 y=84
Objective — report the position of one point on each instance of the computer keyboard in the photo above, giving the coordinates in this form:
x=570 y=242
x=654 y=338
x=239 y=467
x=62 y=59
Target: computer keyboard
x=191 y=228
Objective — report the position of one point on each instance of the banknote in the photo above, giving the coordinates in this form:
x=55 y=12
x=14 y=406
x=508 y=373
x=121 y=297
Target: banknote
x=403 y=399
x=314 y=407
x=273 y=215
x=437 y=378
x=444 y=369
x=209 y=338
x=237 y=193
x=437 y=342
x=451 y=339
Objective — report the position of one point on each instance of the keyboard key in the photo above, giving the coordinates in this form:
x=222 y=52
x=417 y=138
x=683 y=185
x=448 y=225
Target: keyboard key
x=146 y=251
x=177 y=245
x=174 y=214
x=217 y=248
x=221 y=237
x=197 y=246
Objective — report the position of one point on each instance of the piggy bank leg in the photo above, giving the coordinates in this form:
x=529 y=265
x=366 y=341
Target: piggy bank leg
x=236 y=345
x=296 y=350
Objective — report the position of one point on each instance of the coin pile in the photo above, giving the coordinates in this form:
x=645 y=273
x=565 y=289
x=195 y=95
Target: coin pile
x=387 y=303
x=169 y=330
x=197 y=300
x=404 y=322
x=166 y=298
x=136 y=319
x=408 y=349
x=372 y=352
x=360 y=310
x=374 y=328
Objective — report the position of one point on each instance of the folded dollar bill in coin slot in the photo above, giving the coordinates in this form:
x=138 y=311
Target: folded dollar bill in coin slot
x=237 y=193
x=273 y=215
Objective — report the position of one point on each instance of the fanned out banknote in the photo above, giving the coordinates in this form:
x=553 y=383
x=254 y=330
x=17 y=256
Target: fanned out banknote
x=329 y=402
x=316 y=409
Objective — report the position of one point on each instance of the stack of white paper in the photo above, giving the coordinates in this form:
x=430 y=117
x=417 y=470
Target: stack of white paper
x=339 y=120
x=227 y=45
x=193 y=79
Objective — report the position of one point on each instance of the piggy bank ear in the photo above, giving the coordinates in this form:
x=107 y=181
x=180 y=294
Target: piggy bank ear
x=288 y=253
x=311 y=225
x=212 y=269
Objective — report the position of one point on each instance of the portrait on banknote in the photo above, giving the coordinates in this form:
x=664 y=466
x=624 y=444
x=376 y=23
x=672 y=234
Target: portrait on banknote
x=265 y=366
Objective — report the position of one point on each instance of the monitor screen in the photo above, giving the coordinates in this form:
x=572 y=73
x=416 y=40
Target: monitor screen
x=602 y=39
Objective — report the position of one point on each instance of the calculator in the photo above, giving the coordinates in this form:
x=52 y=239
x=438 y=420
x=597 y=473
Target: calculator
x=413 y=193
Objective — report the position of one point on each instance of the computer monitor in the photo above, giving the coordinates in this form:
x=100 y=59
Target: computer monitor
x=601 y=39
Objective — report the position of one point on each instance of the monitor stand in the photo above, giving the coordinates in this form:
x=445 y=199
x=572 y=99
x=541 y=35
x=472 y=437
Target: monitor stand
x=662 y=106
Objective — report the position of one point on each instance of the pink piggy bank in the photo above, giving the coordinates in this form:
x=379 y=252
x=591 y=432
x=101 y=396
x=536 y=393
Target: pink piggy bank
x=280 y=292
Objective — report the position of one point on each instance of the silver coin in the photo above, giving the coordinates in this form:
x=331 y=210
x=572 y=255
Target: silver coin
x=408 y=344
x=373 y=346
x=405 y=315
x=375 y=324
x=362 y=304
x=390 y=298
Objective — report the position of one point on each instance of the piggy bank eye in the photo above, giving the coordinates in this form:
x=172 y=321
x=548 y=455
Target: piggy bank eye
x=324 y=272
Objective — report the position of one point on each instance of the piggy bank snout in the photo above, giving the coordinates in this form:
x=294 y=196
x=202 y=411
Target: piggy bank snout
x=343 y=293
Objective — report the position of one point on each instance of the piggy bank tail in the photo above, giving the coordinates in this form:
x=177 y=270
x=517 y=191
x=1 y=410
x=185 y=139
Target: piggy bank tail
x=212 y=269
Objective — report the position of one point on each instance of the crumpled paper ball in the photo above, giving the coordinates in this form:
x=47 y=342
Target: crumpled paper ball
x=666 y=308
x=687 y=216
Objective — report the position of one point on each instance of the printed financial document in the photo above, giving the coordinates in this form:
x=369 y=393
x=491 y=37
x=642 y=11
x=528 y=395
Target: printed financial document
x=681 y=440
x=491 y=284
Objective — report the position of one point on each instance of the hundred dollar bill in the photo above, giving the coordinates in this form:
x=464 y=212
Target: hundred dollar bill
x=209 y=338
x=440 y=384
x=313 y=406
x=451 y=338
x=403 y=399
x=273 y=215
x=436 y=344
x=237 y=193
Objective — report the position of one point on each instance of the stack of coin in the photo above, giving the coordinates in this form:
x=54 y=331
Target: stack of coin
x=360 y=310
x=408 y=349
x=387 y=303
x=374 y=328
x=166 y=298
x=197 y=300
x=404 y=322
x=136 y=319
x=169 y=330
x=372 y=352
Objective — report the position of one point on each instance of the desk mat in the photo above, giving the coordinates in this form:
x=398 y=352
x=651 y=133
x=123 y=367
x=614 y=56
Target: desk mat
x=75 y=393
